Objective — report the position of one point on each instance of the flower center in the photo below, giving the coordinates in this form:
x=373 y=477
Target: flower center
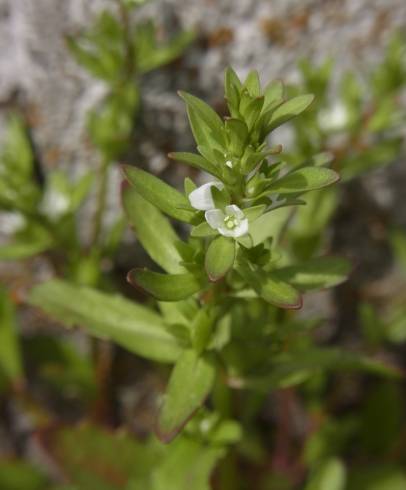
x=231 y=222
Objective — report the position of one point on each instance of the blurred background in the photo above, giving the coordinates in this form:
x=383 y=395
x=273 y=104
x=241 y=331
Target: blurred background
x=86 y=85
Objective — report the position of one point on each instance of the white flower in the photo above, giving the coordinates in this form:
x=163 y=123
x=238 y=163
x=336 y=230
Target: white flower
x=231 y=223
x=54 y=203
x=201 y=197
x=334 y=117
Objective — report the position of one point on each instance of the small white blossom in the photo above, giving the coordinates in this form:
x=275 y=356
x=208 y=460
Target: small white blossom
x=54 y=203
x=201 y=197
x=229 y=164
x=334 y=117
x=231 y=223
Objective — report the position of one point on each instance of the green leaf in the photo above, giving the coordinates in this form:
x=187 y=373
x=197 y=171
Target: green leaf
x=297 y=366
x=133 y=326
x=288 y=110
x=10 y=355
x=219 y=257
x=24 y=250
x=271 y=288
x=269 y=225
x=237 y=134
x=195 y=161
x=201 y=113
x=279 y=293
x=252 y=111
x=254 y=212
x=318 y=273
x=166 y=287
x=186 y=460
x=160 y=194
x=232 y=86
x=330 y=474
x=303 y=180
x=202 y=230
x=252 y=83
x=153 y=231
x=273 y=94
x=201 y=329
x=190 y=383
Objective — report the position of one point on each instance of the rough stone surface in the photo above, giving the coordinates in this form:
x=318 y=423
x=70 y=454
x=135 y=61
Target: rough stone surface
x=268 y=36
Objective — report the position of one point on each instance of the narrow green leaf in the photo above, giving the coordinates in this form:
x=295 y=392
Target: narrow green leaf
x=131 y=325
x=252 y=111
x=288 y=110
x=195 y=161
x=273 y=94
x=303 y=180
x=23 y=250
x=219 y=257
x=189 y=186
x=252 y=83
x=254 y=212
x=271 y=288
x=237 y=133
x=201 y=329
x=153 y=231
x=318 y=273
x=231 y=78
x=160 y=194
x=202 y=112
x=166 y=287
x=232 y=86
x=190 y=383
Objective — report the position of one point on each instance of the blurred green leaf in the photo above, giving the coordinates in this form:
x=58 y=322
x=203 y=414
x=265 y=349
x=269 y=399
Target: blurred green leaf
x=317 y=273
x=303 y=180
x=330 y=475
x=60 y=366
x=289 y=110
x=10 y=355
x=108 y=316
x=167 y=287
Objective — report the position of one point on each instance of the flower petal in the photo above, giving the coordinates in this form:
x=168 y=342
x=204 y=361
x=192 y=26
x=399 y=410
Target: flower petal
x=241 y=229
x=233 y=210
x=215 y=218
x=223 y=230
x=201 y=197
